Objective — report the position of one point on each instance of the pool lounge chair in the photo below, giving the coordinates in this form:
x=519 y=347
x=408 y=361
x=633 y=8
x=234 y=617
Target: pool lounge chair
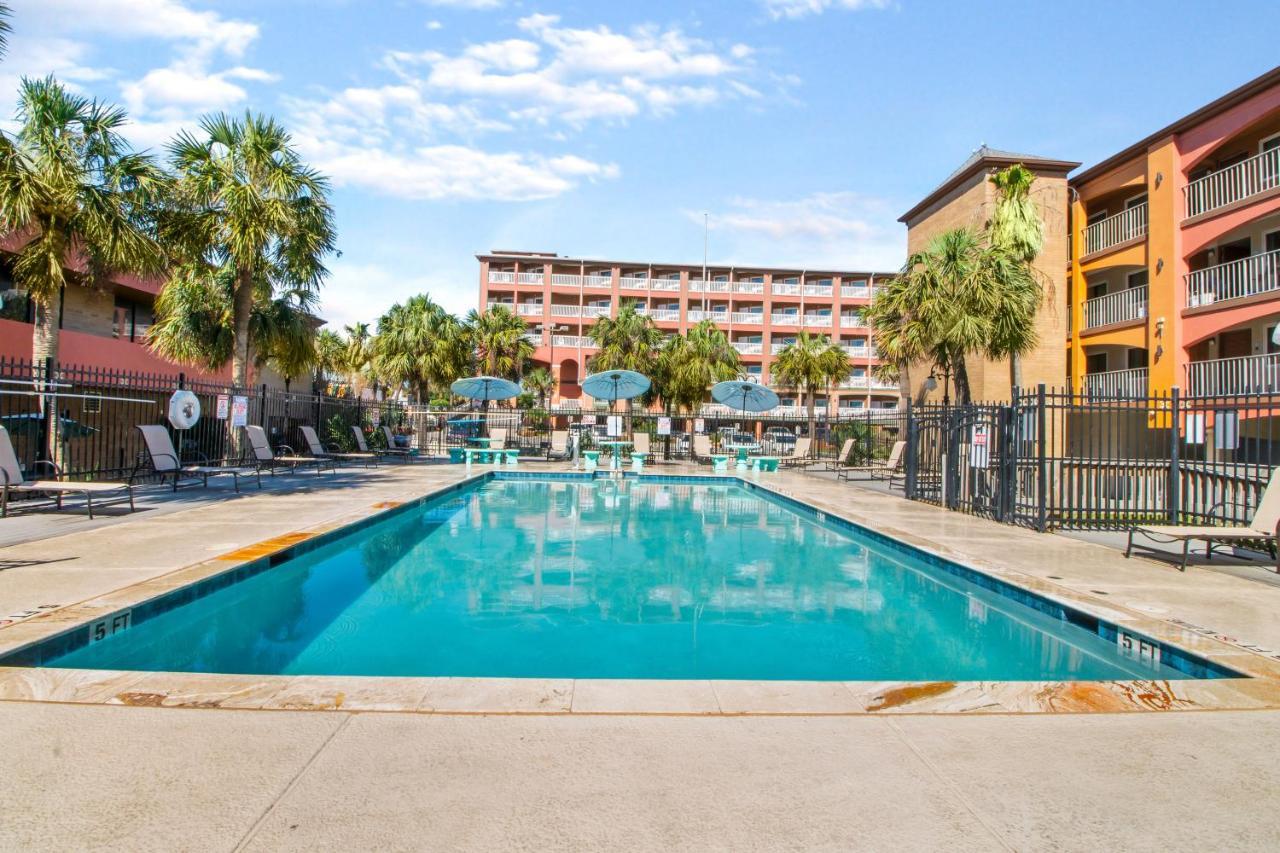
x=878 y=470
x=163 y=457
x=317 y=449
x=842 y=458
x=15 y=483
x=267 y=458
x=702 y=449
x=498 y=438
x=799 y=455
x=641 y=443
x=559 y=447
x=1264 y=527
x=402 y=453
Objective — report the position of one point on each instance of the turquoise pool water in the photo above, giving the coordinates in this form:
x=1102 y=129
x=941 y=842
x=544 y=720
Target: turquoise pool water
x=617 y=579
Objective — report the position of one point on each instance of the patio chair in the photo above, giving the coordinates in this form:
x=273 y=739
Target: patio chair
x=1263 y=527
x=402 y=453
x=641 y=442
x=363 y=446
x=15 y=483
x=842 y=458
x=799 y=455
x=559 y=448
x=164 y=460
x=879 y=470
x=702 y=449
x=317 y=449
x=498 y=438
x=267 y=458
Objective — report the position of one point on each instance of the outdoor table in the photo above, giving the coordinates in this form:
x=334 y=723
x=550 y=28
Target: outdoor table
x=742 y=451
x=590 y=459
x=512 y=454
x=456 y=454
x=617 y=445
x=764 y=463
x=479 y=441
x=719 y=462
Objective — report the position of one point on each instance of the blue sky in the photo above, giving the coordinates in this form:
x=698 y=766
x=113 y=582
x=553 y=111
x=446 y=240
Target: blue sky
x=804 y=127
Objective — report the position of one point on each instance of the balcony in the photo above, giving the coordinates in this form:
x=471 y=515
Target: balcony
x=1117 y=383
x=666 y=315
x=1240 y=182
x=749 y=347
x=1114 y=230
x=852 y=321
x=665 y=284
x=596 y=310
x=697 y=315
x=566 y=279
x=566 y=311
x=1123 y=306
x=530 y=278
x=824 y=290
x=529 y=309
x=783 y=288
x=598 y=281
x=499 y=277
x=699 y=285
x=748 y=287
x=1234 y=280
x=785 y=319
x=628 y=282
x=1225 y=377
x=534 y=338
x=510 y=306
x=749 y=318
x=818 y=321
x=848 y=292
x=573 y=341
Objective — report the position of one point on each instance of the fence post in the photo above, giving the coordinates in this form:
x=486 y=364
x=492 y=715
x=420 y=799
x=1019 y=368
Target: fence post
x=912 y=462
x=1175 y=475
x=1042 y=463
x=47 y=402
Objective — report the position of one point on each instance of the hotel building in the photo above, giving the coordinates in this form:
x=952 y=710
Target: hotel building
x=761 y=309
x=1174 y=274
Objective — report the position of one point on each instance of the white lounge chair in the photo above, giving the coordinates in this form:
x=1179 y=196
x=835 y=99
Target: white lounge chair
x=559 y=448
x=799 y=455
x=878 y=470
x=842 y=458
x=15 y=483
x=165 y=462
x=1264 y=527
x=640 y=443
x=317 y=449
x=267 y=458
x=498 y=438
x=702 y=448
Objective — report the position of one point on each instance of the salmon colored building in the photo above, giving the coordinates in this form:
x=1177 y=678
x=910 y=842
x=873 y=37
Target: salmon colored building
x=1175 y=260
x=761 y=309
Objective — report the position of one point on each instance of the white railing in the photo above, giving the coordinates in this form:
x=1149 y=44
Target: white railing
x=630 y=282
x=854 y=292
x=852 y=321
x=699 y=285
x=784 y=319
x=749 y=347
x=498 y=277
x=856 y=352
x=1234 y=183
x=597 y=281
x=665 y=314
x=751 y=318
x=596 y=310
x=1117 y=383
x=748 y=287
x=1114 y=230
x=818 y=290
x=566 y=279
x=510 y=306
x=820 y=321
x=783 y=288
x=1252 y=374
x=664 y=284
x=566 y=311
x=534 y=338
x=531 y=278
x=883 y=385
x=1119 y=307
x=529 y=309
x=1234 y=279
x=854 y=382
x=573 y=341
x=697 y=315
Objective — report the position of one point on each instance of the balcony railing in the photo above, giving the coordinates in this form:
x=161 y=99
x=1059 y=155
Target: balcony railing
x=1234 y=183
x=698 y=285
x=1252 y=374
x=820 y=321
x=1115 y=230
x=818 y=290
x=499 y=277
x=596 y=310
x=1117 y=383
x=697 y=315
x=1119 y=307
x=748 y=287
x=629 y=282
x=573 y=341
x=566 y=311
x=852 y=321
x=750 y=318
x=854 y=292
x=749 y=347
x=665 y=314
x=783 y=288
x=668 y=284
x=510 y=306
x=531 y=278
x=597 y=281
x=566 y=279
x=534 y=338
x=1234 y=279
x=529 y=309
x=785 y=319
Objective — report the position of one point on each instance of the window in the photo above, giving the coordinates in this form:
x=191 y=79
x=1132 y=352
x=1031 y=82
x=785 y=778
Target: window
x=132 y=320
x=1095 y=363
x=1137 y=279
x=1135 y=358
x=1271 y=143
x=1097 y=216
x=1271 y=241
x=1096 y=290
x=1272 y=346
x=1137 y=200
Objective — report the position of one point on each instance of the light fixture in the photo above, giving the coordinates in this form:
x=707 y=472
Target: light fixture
x=1159 y=179
x=1159 y=265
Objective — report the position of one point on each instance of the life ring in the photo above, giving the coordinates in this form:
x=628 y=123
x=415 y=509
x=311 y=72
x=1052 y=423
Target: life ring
x=184 y=410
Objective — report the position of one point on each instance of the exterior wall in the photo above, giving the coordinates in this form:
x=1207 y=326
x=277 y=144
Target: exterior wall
x=970 y=206
x=87 y=310
x=560 y=285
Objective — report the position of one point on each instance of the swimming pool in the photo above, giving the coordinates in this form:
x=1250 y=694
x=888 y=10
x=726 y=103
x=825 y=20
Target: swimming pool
x=652 y=578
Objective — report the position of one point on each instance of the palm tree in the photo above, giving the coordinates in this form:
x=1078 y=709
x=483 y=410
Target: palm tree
x=812 y=363
x=541 y=383
x=1017 y=232
x=5 y=28
x=245 y=205
x=629 y=341
x=692 y=363
x=331 y=359
x=70 y=182
x=421 y=346
x=498 y=339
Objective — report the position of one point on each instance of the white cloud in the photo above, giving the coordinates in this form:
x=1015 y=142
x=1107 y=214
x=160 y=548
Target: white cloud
x=464 y=4
x=803 y=8
x=167 y=20
x=831 y=229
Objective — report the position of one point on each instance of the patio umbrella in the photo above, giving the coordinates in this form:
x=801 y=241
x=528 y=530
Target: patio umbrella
x=614 y=385
x=747 y=396
x=485 y=388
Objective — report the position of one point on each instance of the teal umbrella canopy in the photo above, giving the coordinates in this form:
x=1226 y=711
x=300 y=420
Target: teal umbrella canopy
x=747 y=396
x=485 y=388
x=615 y=385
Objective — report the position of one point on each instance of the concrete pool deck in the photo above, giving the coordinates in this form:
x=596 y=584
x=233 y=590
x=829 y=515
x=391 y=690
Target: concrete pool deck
x=83 y=769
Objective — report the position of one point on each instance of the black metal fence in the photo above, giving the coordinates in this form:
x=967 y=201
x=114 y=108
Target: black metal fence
x=1052 y=459
x=98 y=412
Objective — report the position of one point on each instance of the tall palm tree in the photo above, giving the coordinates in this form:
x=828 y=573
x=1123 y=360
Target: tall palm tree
x=5 y=28
x=498 y=340
x=812 y=363
x=244 y=202
x=541 y=383
x=70 y=182
x=629 y=341
x=1016 y=233
x=420 y=346
x=692 y=363
x=331 y=359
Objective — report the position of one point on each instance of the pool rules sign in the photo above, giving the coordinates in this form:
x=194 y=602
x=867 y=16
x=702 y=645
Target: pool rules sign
x=979 y=446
